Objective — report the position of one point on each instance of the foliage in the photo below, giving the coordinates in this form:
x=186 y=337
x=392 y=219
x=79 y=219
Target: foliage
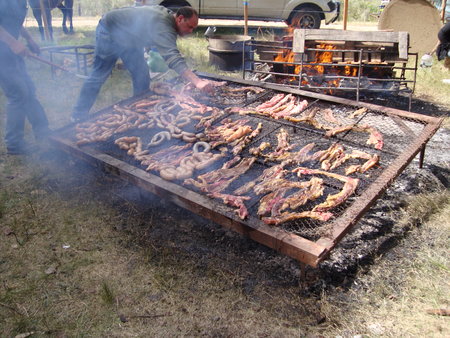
x=94 y=8
x=363 y=10
x=429 y=82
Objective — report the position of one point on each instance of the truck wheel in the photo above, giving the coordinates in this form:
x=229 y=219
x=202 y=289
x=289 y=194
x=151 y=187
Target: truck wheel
x=306 y=17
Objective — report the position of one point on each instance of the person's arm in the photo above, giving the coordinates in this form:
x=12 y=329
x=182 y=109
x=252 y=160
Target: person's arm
x=16 y=46
x=203 y=85
x=165 y=42
x=435 y=48
x=443 y=37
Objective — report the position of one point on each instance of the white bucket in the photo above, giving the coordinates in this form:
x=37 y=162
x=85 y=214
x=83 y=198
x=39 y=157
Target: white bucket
x=426 y=60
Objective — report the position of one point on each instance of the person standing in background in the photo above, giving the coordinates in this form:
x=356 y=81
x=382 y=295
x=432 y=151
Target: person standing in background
x=442 y=47
x=15 y=82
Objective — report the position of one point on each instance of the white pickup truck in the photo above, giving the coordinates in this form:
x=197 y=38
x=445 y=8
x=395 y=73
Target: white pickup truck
x=298 y=13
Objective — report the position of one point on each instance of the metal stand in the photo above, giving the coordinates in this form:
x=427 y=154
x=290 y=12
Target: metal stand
x=81 y=54
x=293 y=72
x=302 y=280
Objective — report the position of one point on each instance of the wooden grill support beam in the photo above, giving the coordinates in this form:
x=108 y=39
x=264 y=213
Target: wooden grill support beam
x=400 y=39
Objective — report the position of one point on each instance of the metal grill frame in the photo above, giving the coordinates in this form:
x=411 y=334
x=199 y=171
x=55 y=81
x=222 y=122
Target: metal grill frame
x=403 y=84
x=81 y=54
x=303 y=250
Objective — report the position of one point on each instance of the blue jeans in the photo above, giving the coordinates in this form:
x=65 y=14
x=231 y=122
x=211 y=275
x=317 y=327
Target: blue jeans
x=106 y=54
x=21 y=100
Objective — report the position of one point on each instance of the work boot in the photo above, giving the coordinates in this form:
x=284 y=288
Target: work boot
x=22 y=149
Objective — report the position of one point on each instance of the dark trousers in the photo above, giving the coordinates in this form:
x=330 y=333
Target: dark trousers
x=107 y=52
x=21 y=100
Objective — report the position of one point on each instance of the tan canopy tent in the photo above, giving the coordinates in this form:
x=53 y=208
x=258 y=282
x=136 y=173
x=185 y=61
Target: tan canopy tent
x=419 y=18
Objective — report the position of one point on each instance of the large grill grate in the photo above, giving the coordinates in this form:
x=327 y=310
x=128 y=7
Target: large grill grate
x=307 y=240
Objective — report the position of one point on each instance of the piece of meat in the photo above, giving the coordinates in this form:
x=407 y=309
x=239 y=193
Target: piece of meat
x=352 y=169
x=281 y=152
x=171 y=156
x=279 y=104
x=334 y=153
x=213 y=183
x=220 y=179
x=255 y=90
x=206 y=121
x=274 y=100
x=360 y=154
x=329 y=116
x=332 y=201
x=356 y=154
x=309 y=119
x=369 y=163
x=303 y=155
x=284 y=110
x=291 y=216
x=241 y=131
x=233 y=201
x=228 y=132
x=276 y=183
x=269 y=174
x=313 y=191
x=338 y=130
x=275 y=201
x=244 y=141
x=272 y=201
x=283 y=141
x=375 y=137
x=357 y=113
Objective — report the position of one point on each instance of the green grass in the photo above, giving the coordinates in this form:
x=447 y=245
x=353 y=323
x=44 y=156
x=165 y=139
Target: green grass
x=430 y=84
x=363 y=10
x=397 y=292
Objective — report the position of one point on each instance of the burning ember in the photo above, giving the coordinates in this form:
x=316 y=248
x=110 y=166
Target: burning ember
x=331 y=61
x=312 y=73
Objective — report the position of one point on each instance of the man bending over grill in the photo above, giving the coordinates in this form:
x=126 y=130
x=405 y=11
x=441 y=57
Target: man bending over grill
x=442 y=47
x=14 y=80
x=124 y=33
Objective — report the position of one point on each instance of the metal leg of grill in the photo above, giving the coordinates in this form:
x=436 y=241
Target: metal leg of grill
x=302 y=280
x=421 y=157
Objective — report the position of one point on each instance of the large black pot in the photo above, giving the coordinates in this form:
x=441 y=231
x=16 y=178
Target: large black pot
x=227 y=53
